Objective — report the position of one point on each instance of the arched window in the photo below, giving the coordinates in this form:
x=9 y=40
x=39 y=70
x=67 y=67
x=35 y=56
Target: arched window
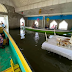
x=36 y=22
x=53 y=24
x=63 y=25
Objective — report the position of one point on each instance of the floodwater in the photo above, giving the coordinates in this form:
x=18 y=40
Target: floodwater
x=40 y=60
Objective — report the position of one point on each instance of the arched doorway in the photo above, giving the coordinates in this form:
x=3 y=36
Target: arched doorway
x=53 y=24
x=63 y=25
x=22 y=23
x=36 y=23
x=4 y=18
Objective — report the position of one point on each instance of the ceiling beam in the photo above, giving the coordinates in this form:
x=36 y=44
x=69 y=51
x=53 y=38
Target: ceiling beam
x=67 y=13
x=41 y=4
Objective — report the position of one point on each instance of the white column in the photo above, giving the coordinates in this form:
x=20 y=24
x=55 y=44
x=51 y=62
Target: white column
x=6 y=23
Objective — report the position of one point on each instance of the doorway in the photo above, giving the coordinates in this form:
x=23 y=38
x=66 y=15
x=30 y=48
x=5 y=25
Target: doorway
x=36 y=23
x=53 y=24
x=22 y=23
x=4 y=18
x=63 y=25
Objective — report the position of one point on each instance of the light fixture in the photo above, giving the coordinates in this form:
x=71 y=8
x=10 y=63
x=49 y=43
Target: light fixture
x=51 y=8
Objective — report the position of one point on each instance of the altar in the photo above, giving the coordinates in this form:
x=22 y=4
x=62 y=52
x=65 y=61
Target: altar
x=63 y=50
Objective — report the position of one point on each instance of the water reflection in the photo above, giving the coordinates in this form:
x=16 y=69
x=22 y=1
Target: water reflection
x=51 y=36
x=22 y=34
x=41 y=60
x=61 y=64
x=36 y=38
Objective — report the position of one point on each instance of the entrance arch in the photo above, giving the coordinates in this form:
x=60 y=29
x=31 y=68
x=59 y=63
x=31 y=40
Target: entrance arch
x=53 y=24
x=22 y=23
x=36 y=23
x=4 y=18
x=63 y=25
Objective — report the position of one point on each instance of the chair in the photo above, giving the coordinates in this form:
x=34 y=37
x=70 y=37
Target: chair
x=13 y=68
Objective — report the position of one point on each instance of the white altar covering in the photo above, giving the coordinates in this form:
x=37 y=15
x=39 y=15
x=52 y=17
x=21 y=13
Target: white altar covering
x=51 y=45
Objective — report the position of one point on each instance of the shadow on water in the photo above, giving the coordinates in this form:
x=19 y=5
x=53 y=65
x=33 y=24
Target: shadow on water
x=40 y=60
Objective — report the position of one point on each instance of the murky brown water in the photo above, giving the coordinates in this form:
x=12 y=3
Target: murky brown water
x=39 y=59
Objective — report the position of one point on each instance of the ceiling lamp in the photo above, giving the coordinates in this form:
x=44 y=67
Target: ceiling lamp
x=51 y=8
x=47 y=20
x=39 y=11
x=37 y=19
x=22 y=12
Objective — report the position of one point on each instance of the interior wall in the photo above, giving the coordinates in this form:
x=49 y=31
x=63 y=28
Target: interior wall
x=69 y=24
x=13 y=17
x=25 y=18
x=30 y=23
x=41 y=22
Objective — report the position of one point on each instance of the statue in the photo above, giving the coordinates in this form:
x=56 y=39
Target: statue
x=46 y=37
x=59 y=41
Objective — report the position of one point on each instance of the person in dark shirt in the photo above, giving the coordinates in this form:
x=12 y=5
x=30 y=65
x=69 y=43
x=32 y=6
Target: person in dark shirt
x=34 y=25
x=47 y=27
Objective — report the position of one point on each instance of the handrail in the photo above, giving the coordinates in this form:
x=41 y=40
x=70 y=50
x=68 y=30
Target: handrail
x=23 y=61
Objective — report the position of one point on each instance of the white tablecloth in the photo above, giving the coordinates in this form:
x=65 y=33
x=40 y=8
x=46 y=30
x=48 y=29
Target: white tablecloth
x=51 y=45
